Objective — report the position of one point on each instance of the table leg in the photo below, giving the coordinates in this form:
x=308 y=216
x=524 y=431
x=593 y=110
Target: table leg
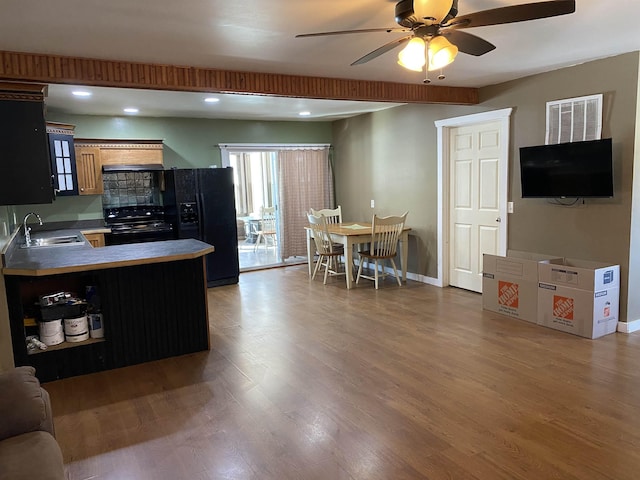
x=310 y=251
x=348 y=261
x=404 y=254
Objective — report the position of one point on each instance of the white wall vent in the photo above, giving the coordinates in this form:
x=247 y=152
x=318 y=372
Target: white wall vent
x=574 y=119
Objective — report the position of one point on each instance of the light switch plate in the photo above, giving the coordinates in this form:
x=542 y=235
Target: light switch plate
x=509 y=207
x=373 y=204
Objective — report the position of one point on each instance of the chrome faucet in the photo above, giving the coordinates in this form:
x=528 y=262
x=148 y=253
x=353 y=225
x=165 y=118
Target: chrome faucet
x=27 y=230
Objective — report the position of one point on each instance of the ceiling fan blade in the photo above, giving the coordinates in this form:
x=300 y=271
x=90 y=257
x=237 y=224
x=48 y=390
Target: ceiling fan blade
x=383 y=49
x=514 y=13
x=342 y=32
x=469 y=44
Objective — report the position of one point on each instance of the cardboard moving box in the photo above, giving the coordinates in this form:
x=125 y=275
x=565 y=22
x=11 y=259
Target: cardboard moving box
x=510 y=284
x=579 y=297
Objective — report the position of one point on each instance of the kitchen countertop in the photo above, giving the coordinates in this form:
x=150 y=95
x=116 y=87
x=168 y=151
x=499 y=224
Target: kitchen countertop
x=52 y=260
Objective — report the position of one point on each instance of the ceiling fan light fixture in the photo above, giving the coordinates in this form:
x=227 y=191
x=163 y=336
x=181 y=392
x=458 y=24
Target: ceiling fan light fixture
x=441 y=52
x=412 y=56
x=431 y=11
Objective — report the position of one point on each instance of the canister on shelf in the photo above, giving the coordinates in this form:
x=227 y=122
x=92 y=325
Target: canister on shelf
x=51 y=332
x=96 y=327
x=76 y=329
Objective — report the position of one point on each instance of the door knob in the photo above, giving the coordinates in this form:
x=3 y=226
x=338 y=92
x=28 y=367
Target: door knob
x=498 y=219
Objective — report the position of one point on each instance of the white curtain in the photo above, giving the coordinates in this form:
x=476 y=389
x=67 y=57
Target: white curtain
x=305 y=181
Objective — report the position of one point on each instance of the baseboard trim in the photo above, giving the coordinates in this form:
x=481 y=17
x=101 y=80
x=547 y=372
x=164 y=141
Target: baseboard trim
x=436 y=282
x=424 y=279
x=629 y=327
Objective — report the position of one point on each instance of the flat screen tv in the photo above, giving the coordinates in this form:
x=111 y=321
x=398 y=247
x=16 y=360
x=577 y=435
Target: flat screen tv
x=575 y=170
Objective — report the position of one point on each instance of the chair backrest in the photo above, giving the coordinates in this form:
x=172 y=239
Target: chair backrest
x=321 y=237
x=385 y=234
x=268 y=219
x=332 y=215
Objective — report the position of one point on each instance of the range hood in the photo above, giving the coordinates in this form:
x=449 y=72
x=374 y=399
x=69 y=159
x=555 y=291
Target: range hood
x=142 y=167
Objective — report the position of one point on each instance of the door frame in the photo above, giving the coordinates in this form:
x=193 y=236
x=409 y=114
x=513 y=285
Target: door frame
x=444 y=128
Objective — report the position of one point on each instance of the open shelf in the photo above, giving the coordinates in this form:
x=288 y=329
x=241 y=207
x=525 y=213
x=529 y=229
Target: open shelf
x=64 y=345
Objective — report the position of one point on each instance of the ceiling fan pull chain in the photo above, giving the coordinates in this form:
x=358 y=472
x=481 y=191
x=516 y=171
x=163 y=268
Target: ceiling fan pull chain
x=427 y=80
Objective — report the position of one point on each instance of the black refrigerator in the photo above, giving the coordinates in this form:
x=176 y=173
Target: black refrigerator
x=200 y=203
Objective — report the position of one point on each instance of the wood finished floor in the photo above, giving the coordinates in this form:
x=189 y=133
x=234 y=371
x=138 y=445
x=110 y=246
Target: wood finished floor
x=305 y=381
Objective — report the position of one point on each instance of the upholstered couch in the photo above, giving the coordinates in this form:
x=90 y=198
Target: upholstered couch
x=28 y=448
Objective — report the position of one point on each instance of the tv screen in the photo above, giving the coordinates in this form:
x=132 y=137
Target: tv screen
x=576 y=169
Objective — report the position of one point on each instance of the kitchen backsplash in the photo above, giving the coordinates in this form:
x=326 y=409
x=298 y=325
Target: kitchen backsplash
x=125 y=189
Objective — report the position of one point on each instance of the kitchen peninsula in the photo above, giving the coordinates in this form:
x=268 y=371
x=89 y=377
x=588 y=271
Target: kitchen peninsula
x=153 y=298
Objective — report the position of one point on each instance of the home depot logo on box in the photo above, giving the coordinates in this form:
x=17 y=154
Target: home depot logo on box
x=563 y=307
x=508 y=294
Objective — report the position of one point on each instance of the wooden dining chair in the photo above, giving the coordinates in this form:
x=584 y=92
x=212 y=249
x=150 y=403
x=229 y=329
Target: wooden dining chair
x=385 y=234
x=331 y=215
x=328 y=253
x=267 y=227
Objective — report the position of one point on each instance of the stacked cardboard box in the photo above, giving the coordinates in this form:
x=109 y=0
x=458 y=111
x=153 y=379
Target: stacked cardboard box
x=574 y=296
x=510 y=284
x=579 y=297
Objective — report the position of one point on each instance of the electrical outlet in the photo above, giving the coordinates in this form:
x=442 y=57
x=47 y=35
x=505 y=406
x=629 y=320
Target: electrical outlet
x=509 y=207
x=373 y=204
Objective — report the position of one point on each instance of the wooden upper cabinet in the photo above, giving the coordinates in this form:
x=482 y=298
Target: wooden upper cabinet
x=89 y=169
x=132 y=154
x=93 y=155
x=127 y=152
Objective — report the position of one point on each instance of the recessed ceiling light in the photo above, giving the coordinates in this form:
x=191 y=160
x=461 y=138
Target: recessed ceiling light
x=81 y=93
x=131 y=110
x=211 y=99
x=304 y=114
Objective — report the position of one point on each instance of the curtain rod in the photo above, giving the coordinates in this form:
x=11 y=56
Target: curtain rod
x=274 y=146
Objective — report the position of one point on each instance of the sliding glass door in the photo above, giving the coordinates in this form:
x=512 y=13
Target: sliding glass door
x=256 y=184
x=292 y=178
x=255 y=181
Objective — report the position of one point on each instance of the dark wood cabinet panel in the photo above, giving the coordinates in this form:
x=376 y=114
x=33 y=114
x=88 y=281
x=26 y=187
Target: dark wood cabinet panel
x=150 y=311
x=25 y=172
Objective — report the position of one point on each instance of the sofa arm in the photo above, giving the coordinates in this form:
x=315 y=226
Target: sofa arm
x=24 y=406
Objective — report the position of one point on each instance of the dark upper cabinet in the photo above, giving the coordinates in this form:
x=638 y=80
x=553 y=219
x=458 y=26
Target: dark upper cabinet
x=63 y=159
x=25 y=169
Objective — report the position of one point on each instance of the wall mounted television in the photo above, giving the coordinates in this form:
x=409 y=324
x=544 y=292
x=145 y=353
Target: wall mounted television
x=572 y=170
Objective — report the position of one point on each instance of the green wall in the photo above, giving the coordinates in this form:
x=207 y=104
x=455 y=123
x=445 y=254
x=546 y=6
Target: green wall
x=188 y=143
x=391 y=157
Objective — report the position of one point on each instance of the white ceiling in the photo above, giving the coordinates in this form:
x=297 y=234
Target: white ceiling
x=151 y=103
x=258 y=35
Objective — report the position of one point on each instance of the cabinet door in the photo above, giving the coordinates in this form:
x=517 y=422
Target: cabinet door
x=63 y=164
x=89 y=170
x=25 y=172
x=95 y=239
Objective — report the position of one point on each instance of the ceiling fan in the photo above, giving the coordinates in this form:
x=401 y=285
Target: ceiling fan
x=436 y=33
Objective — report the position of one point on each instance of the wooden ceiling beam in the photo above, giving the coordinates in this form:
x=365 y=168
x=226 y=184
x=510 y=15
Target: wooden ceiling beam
x=34 y=67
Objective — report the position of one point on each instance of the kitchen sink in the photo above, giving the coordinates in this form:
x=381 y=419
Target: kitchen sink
x=54 y=241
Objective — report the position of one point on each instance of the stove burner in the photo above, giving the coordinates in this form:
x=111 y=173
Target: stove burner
x=136 y=224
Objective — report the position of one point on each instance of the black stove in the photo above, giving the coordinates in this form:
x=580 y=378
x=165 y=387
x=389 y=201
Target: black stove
x=142 y=223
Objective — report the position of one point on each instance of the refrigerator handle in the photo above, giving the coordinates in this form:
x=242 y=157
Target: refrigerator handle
x=201 y=215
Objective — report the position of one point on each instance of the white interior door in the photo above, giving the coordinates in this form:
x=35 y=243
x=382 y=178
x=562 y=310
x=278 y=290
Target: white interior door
x=477 y=205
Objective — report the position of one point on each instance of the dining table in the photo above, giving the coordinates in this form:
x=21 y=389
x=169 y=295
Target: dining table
x=349 y=234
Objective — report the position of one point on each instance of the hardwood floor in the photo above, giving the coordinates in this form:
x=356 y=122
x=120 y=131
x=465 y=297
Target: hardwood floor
x=305 y=381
